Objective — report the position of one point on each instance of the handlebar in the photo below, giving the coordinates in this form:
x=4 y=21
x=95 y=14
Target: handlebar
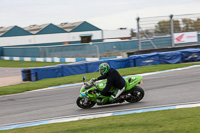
x=89 y=84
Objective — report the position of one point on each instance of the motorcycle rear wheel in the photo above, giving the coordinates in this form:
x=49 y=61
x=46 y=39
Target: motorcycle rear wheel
x=136 y=94
x=84 y=105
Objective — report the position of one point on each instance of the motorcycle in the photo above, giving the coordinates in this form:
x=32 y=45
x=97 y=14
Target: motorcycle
x=132 y=93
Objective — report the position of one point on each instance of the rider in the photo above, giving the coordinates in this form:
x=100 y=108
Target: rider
x=113 y=79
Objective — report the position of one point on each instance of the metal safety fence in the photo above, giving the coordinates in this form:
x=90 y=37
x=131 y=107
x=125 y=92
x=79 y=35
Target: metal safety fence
x=104 y=49
x=69 y=51
x=151 y=29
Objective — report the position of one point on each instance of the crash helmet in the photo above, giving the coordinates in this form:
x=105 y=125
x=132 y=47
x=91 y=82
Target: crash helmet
x=104 y=68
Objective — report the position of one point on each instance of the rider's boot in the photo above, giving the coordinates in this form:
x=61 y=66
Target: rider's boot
x=100 y=101
x=116 y=94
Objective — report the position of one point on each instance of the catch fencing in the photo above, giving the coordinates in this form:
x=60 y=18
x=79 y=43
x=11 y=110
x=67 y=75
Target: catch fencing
x=155 y=31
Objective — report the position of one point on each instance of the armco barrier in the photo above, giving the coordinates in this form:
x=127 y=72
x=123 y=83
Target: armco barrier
x=187 y=55
x=144 y=59
x=119 y=63
x=74 y=69
x=171 y=57
x=190 y=55
x=26 y=74
x=44 y=72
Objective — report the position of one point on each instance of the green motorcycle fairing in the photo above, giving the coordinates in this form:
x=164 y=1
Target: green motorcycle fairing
x=131 y=81
x=93 y=97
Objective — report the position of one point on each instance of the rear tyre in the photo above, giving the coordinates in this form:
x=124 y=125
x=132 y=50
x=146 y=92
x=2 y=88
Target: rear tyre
x=136 y=94
x=84 y=103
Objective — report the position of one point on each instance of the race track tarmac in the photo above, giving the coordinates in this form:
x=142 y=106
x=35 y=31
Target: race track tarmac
x=7 y=72
x=175 y=87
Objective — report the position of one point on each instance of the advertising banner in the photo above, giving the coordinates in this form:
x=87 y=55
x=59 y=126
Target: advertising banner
x=185 y=37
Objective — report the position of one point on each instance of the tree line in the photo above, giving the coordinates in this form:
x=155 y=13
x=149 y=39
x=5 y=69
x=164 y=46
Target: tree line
x=185 y=25
x=164 y=27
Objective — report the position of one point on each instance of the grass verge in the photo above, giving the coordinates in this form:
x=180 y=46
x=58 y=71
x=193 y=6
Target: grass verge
x=78 y=78
x=167 y=121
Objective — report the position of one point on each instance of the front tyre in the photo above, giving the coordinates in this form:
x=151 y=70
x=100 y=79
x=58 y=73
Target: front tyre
x=84 y=103
x=136 y=94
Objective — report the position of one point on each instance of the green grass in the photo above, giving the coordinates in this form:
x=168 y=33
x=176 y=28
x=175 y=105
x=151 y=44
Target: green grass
x=25 y=64
x=78 y=78
x=167 y=121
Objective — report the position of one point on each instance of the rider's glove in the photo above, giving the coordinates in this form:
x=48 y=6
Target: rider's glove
x=98 y=94
x=94 y=79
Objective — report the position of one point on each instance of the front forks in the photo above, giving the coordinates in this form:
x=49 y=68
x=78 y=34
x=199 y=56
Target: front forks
x=85 y=100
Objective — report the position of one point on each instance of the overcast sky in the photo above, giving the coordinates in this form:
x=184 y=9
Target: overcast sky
x=105 y=14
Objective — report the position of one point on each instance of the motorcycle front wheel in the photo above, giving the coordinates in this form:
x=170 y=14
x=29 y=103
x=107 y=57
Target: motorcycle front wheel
x=84 y=103
x=136 y=94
